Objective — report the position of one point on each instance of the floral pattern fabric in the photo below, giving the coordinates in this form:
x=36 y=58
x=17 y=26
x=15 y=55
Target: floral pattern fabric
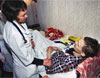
x=89 y=68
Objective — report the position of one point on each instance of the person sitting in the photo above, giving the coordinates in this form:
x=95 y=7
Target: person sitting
x=64 y=62
x=18 y=39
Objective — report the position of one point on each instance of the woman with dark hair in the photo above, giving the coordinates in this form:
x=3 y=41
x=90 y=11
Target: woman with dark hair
x=0 y=4
x=19 y=40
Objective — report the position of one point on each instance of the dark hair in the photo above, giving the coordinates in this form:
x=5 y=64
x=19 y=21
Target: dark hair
x=92 y=47
x=1 y=3
x=11 y=8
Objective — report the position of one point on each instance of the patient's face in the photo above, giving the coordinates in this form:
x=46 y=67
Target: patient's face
x=79 y=45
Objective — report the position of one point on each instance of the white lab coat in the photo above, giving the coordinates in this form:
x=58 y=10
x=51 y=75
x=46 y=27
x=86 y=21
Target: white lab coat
x=23 y=53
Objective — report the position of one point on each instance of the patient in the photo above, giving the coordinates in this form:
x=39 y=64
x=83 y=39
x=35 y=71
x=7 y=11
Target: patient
x=64 y=62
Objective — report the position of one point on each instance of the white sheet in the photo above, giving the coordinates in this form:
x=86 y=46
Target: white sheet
x=71 y=74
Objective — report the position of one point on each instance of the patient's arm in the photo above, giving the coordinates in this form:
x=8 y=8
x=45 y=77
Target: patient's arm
x=50 y=49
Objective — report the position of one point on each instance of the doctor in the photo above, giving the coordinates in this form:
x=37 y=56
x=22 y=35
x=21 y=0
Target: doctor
x=19 y=39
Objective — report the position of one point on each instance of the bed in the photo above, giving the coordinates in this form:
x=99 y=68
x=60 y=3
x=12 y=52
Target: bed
x=89 y=68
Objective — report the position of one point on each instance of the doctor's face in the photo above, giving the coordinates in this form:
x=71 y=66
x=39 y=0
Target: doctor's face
x=22 y=16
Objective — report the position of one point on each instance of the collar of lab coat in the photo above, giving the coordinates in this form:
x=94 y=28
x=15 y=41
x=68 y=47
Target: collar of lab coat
x=25 y=30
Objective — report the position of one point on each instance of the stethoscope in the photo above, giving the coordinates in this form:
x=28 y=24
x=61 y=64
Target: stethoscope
x=25 y=41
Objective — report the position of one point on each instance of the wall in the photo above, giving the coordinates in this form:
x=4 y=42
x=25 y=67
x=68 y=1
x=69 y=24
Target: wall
x=73 y=17
x=31 y=11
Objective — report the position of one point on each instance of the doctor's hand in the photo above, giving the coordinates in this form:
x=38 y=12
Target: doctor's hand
x=32 y=43
x=47 y=62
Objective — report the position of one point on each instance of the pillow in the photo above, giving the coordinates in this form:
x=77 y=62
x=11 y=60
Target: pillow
x=89 y=68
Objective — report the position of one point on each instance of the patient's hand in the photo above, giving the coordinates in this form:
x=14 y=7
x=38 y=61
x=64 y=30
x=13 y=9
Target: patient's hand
x=56 y=48
x=47 y=62
x=51 y=49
